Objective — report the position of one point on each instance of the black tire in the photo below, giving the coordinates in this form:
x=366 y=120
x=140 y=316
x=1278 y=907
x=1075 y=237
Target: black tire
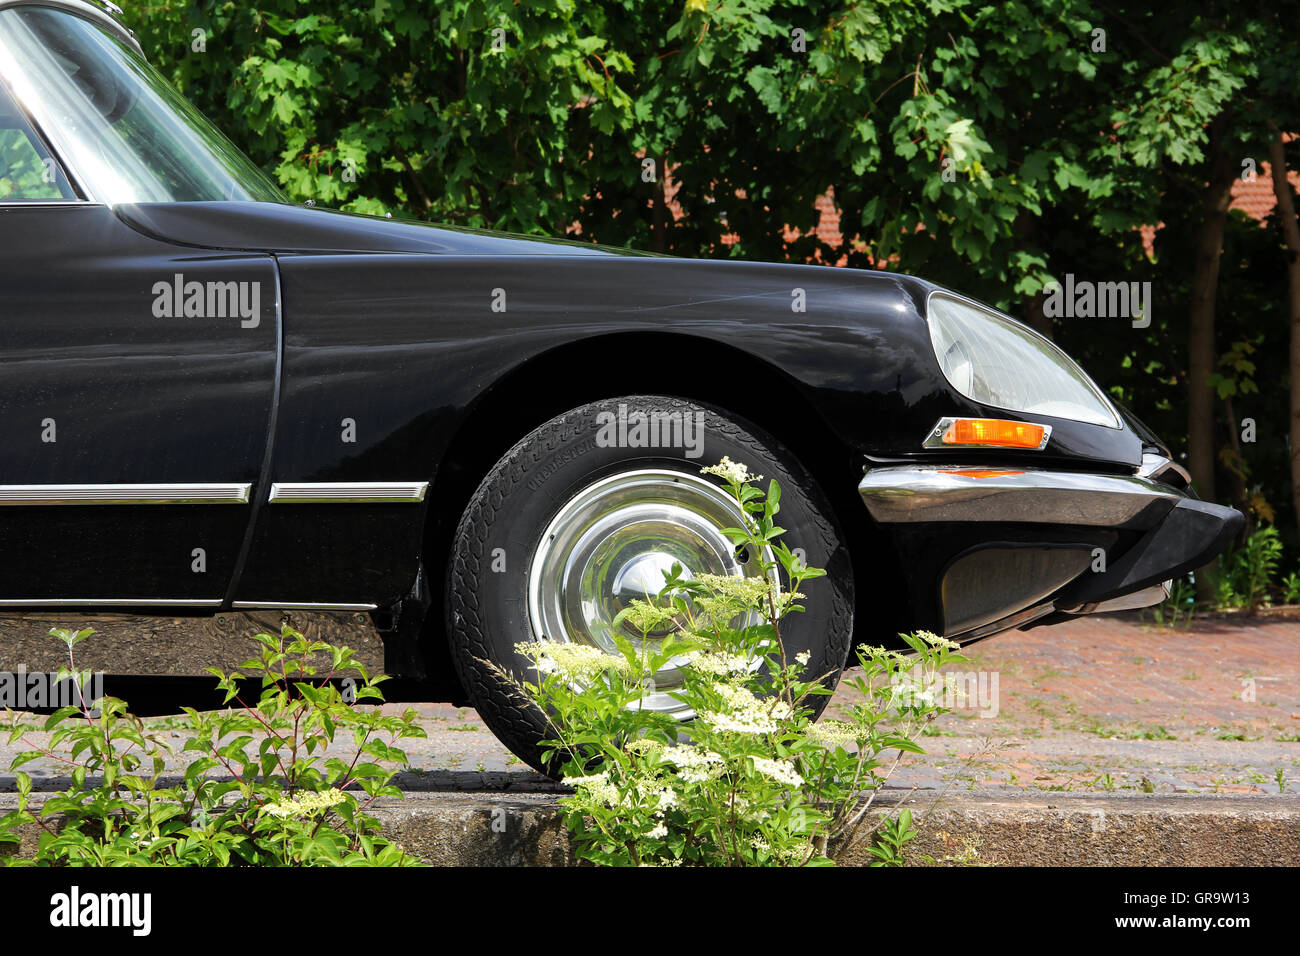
x=488 y=609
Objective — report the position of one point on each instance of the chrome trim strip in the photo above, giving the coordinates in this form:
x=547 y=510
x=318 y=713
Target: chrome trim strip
x=115 y=494
x=39 y=203
x=935 y=438
x=1004 y=624
x=914 y=494
x=1153 y=466
x=110 y=602
x=301 y=606
x=107 y=19
x=1147 y=597
x=347 y=492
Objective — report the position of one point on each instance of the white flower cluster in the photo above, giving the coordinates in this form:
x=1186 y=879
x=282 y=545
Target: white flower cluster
x=911 y=693
x=732 y=471
x=783 y=599
x=782 y=771
x=718 y=663
x=741 y=700
x=664 y=796
x=693 y=764
x=746 y=713
x=305 y=805
x=578 y=663
x=744 y=591
x=835 y=733
x=724 y=599
x=645 y=616
x=740 y=723
x=934 y=640
x=643 y=745
x=595 y=788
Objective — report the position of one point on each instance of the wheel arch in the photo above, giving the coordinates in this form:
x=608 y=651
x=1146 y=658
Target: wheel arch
x=687 y=366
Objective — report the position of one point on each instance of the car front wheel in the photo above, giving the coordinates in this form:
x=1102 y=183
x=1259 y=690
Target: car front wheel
x=583 y=516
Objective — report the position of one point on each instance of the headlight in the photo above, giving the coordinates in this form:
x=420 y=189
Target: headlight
x=994 y=361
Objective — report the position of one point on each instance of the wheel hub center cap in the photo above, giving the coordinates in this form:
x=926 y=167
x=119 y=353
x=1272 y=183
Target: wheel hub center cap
x=616 y=542
x=644 y=574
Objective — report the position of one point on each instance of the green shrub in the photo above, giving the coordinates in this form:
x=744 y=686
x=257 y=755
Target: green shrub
x=752 y=779
x=1249 y=570
x=1179 y=608
x=261 y=789
x=1291 y=588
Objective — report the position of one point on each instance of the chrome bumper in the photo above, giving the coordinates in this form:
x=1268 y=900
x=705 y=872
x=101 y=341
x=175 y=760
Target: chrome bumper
x=918 y=493
x=1160 y=530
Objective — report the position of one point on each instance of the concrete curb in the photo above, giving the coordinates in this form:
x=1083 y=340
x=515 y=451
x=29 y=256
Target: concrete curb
x=1065 y=830
x=525 y=829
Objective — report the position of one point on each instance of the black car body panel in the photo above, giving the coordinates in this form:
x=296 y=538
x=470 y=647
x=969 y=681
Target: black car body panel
x=387 y=352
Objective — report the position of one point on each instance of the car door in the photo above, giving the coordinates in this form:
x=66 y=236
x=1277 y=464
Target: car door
x=136 y=385
x=133 y=424
x=132 y=430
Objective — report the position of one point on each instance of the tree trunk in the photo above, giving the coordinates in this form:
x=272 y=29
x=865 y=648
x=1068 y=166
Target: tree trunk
x=659 y=222
x=1237 y=468
x=1201 y=358
x=1291 y=232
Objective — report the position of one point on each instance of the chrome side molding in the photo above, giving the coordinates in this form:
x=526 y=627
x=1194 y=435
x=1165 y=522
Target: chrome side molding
x=184 y=602
x=301 y=606
x=204 y=493
x=111 y=602
x=215 y=493
x=918 y=494
x=348 y=492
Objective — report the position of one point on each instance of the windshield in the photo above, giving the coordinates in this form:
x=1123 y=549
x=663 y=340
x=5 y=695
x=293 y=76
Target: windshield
x=124 y=133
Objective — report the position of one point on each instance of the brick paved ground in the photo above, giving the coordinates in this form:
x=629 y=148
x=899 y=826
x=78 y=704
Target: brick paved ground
x=1085 y=706
x=1110 y=702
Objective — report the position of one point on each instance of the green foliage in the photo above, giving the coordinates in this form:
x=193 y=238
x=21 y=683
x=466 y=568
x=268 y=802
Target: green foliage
x=1178 y=609
x=1249 y=570
x=752 y=780
x=22 y=174
x=544 y=124
x=892 y=837
x=262 y=789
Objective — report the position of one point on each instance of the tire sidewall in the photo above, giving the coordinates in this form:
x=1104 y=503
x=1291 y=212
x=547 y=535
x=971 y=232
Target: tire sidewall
x=487 y=597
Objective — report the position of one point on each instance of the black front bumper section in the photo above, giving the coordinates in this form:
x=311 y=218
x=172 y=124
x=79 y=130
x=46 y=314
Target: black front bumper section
x=992 y=549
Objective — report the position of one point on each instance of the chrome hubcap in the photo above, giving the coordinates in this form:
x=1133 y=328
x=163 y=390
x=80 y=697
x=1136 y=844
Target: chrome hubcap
x=614 y=542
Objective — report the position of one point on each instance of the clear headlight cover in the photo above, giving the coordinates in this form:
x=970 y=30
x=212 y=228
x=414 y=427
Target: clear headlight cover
x=996 y=361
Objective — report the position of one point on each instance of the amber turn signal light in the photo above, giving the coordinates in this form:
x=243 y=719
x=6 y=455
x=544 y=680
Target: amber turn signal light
x=989 y=433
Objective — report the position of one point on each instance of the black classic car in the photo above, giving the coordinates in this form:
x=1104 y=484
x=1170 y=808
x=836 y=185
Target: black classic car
x=214 y=399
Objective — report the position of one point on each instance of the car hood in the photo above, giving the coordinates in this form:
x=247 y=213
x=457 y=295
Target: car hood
x=281 y=227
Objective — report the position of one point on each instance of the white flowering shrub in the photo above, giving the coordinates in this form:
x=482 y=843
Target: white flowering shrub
x=752 y=780
x=259 y=787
